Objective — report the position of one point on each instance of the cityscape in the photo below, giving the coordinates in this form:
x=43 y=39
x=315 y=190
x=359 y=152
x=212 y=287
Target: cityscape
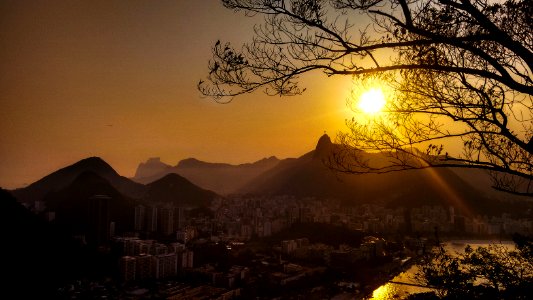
x=172 y=243
x=266 y=149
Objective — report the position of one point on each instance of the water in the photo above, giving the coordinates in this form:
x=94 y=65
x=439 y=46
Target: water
x=399 y=291
x=390 y=291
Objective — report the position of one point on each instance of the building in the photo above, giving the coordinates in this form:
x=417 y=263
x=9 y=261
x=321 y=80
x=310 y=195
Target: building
x=165 y=265
x=98 y=214
x=179 y=218
x=127 y=267
x=151 y=219
x=186 y=234
x=166 y=220
x=185 y=259
x=140 y=218
x=144 y=266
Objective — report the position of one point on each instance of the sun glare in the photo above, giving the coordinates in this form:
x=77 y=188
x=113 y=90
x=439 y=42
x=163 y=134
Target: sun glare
x=372 y=101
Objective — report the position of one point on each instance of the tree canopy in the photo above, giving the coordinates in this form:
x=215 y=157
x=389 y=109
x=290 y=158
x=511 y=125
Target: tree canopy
x=491 y=272
x=453 y=72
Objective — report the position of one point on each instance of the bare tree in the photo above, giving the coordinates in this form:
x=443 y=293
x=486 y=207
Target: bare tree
x=456 y=71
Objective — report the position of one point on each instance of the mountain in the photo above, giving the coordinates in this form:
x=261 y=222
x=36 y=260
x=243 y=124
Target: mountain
x=65 y=176
x=303 y=177
x=175 y=189
x=152 y=168
x=221 y=178
x=67 y=191
x=307 y=176
x=72 y=203
x=39 y=255
x=481 y=178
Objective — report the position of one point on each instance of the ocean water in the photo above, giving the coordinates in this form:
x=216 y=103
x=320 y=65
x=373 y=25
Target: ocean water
x=394 y=291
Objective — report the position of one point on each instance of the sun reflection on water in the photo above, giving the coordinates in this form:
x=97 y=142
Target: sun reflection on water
x=381 y=292
x=386 y=291
x=395 y=291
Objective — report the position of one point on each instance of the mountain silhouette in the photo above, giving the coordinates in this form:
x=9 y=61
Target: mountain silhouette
x=481 y=178
x=308 y=176
x=71 y=203
x=150 y=170
x=66 y=192
x=221 y=178
x=179 y=191
x=191 y=182
x=65 y=176
x=39 y=255
x=323 y=148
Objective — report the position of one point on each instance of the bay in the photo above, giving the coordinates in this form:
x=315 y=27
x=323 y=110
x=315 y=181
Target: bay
x=405 y=284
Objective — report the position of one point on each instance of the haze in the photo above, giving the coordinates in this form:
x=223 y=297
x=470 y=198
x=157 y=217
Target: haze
x=117 y=79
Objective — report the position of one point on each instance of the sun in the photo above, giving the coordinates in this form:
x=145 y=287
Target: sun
x=372 y=101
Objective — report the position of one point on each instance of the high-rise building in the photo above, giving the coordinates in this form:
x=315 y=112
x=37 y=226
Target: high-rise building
x=166 y=220
x=177 y=247
x=185 y=259
x=140 y=218
x=129 y=245
x=144 y=266
x=127 y=268
x=99 y=219
x=112 y=229
x=179 y=218
x=144 y=247
x=165 y=265
x=151 y=219
x=190 y=259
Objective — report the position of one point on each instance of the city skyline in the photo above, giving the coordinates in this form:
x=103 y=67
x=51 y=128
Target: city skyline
x=267 y=149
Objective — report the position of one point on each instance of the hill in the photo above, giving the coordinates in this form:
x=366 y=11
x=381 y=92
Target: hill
x=62 y=178
x=221 y=178
x=179 y=191
x=307 y=176
x=72 y=205
x=39 y=257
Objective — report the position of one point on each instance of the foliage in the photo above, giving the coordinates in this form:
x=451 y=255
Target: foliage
x=462 y=62
x=492 y=272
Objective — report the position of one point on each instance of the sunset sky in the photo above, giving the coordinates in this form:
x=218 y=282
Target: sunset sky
x=117 y=79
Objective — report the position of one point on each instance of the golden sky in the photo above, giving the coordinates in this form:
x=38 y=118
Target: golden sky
x=117 y=79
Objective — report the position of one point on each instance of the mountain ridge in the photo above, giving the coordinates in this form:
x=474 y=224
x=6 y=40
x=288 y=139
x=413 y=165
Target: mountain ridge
x=70 y=203
x=177 y=190
x=222 y=178
x=61 y=178
x=307 y=176
x=97 y=173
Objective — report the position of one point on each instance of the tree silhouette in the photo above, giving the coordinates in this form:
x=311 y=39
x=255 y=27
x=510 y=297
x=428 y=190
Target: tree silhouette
x=491 y=272
x=453 y=71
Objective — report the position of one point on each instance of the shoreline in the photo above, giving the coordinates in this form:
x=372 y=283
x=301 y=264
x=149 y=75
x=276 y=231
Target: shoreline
x=367 y=292
x=379 y=281
x=478 y=241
